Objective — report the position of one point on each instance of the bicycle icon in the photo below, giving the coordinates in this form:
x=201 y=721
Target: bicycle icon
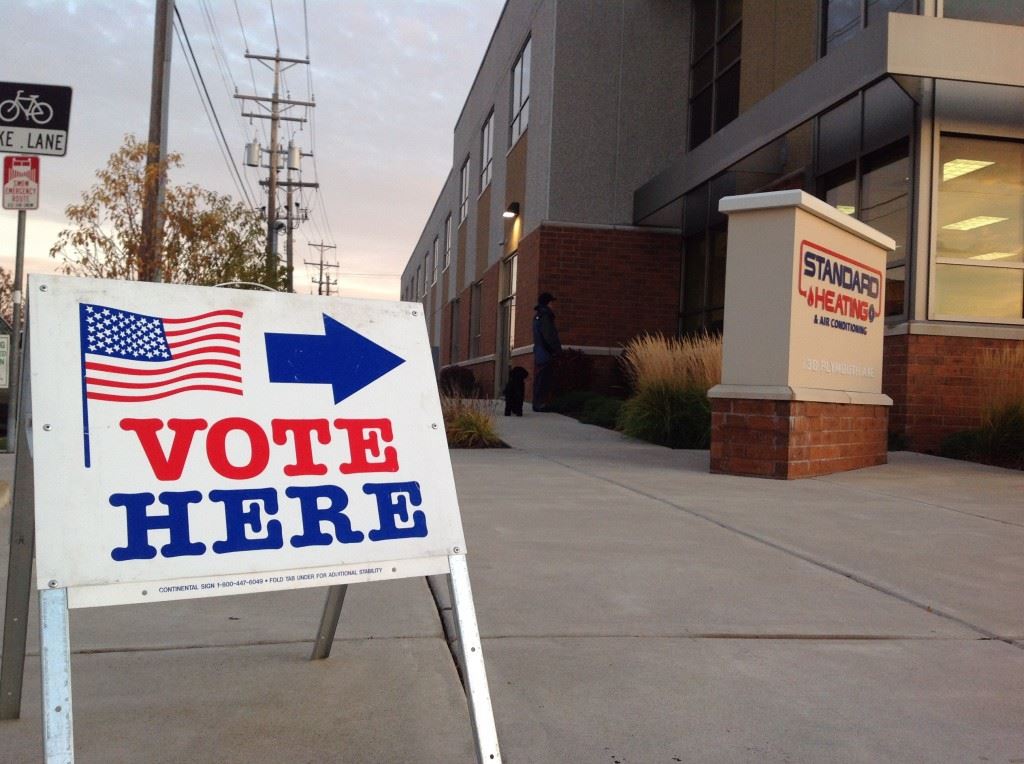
x=30 y=106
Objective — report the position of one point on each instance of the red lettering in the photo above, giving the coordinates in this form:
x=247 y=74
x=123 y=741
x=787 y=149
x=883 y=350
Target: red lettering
x=216 y=448
x=165 y=466
x=302 y=438
x=364 y=437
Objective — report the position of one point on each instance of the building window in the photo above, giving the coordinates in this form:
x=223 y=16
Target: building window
x=864 y=170
x=842 y=19
x=486 y=151
x=979 y=254
x=520 y=94
x=418 y=284
x=475 y=309
x=436 y=260
x=509 y=277
x=453 y=336
x=428 y=268
x=1006 y=12
x=714 y=67
x=447 y=242
x=464 y=190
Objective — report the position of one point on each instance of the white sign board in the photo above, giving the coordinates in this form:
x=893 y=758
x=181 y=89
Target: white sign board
x=194 y=441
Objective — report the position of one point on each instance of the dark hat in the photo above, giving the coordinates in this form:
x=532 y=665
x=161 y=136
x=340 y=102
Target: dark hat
x=545 y=298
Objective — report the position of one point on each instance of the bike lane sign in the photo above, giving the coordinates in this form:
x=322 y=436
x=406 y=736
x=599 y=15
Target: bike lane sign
x=34 y=118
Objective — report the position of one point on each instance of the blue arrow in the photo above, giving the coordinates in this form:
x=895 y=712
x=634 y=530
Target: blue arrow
x=340 y=357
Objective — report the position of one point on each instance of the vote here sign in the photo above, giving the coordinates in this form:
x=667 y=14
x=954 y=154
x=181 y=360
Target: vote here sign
x=195 y=441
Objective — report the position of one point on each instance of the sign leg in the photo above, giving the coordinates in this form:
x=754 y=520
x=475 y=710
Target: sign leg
x=58 y=737
x=329 y=622
x=485 y=736
x=19 y=573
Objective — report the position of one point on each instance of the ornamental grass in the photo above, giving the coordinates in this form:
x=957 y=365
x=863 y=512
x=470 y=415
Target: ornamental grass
x=469 y=422
x=671 y=378
x=692 y=363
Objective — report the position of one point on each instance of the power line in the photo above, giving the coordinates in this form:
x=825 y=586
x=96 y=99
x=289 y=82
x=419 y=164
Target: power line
x=273 y=18
x=208 y=107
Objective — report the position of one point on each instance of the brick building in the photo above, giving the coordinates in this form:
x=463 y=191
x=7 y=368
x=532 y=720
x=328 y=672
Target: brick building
x=598 y=138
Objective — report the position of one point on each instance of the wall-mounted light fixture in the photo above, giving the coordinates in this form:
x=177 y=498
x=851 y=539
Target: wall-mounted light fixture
x=512 y=211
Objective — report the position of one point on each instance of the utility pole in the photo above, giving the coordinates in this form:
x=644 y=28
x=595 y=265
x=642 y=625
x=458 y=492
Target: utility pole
x=155 y=176
x=322 y=282
x=276 y=117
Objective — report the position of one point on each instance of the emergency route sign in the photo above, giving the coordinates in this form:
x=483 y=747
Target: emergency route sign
x=195 y=441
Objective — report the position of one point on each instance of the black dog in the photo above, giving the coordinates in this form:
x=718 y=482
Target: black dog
x=515 y=390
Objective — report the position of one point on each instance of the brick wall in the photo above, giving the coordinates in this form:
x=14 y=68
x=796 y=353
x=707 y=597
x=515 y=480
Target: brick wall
x=934 y=386
x=795 y=439
x=610 y=284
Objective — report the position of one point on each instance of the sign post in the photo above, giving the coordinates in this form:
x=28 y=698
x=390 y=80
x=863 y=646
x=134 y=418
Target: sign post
x=225 y=442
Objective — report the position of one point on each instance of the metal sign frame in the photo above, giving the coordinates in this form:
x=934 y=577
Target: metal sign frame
x=58 y=728
x=34 y=118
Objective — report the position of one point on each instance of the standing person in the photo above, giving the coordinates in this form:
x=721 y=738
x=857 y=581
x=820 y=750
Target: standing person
x=546 y=346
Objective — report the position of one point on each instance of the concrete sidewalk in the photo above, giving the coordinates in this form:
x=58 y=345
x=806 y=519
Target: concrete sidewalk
x=634 y=608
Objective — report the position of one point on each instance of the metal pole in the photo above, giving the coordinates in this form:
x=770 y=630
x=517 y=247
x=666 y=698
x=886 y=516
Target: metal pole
x=55 y=655
x=481 y=713
x=272 y=180
x=289 y=282
x=329 y=622
x=19 y=571
x=17 y=297
x=156 y=152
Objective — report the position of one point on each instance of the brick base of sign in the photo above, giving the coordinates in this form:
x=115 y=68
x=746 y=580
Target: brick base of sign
x=795 y=439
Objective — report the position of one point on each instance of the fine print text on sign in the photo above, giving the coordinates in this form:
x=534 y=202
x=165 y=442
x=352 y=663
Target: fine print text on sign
x=222 y=441
x=34 y=118
x=21 y=183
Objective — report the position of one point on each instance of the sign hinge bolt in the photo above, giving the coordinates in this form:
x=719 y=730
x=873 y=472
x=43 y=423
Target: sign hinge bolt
x=52 y=584
x=42 y=287
x=47 y=428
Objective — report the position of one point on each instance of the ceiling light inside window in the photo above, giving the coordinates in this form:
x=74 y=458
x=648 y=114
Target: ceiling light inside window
x=954 y=168
x=972 y=223
x=994 y=256
x=846 y=209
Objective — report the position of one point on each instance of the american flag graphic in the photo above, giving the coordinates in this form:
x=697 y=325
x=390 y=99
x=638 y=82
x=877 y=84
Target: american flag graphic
x=130 y=358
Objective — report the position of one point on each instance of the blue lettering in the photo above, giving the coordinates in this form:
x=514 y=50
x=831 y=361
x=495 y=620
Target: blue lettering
x=391 y=503
x=313 y=515
x=237 y=518
x=140 y=522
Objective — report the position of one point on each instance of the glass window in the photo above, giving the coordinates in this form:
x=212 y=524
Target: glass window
x=453 y=328
x=447 y=242
x=436 y=260
x=475 y=308
x=419 y=281
x=844 y=18
x=839 y=135
x=714 y=67
x=464 y=190
x=992 y=11
x=980 y=230
x=486 y=151
x=885 y=194
x=428 y=269
x=520 y=94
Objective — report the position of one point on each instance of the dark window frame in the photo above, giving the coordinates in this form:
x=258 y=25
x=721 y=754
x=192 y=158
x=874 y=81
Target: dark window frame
x=718 y=71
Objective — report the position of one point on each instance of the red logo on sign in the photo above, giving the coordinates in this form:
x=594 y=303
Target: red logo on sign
x=21 y=183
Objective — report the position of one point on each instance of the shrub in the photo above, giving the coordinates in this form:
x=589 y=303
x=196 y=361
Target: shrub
x=668 y=415
x=693 y=362
x=468 y=423
x=571 y=370
x=572 y=402
x=602 y=411
x=458 y=382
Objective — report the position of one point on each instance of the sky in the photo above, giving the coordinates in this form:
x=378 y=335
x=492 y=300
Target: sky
x=389 y=78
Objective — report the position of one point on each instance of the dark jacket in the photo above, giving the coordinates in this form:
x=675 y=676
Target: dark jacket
x=546 y=344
